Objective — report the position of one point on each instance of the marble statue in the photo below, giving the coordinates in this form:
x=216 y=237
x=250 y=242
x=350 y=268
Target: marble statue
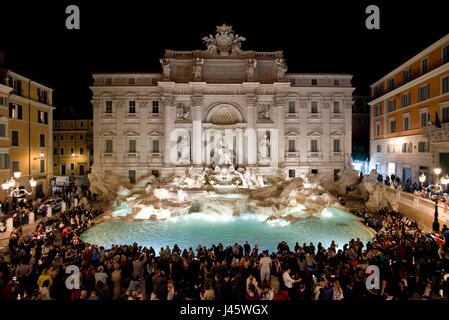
x=250 y=68
x=165 y=68
x=265 y=113
x=264 y=147
x=184 y=149
x=182 y=112
x=222 y=153
x=211 y=44
x=282 y=68
x=197 y=68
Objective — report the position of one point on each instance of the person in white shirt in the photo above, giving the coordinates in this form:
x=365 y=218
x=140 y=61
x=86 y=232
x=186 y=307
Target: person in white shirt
x=250 y=281
x=265 y=267
x=289 y=281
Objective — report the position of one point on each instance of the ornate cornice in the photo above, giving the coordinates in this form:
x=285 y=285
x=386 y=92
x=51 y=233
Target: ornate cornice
x=197 y=101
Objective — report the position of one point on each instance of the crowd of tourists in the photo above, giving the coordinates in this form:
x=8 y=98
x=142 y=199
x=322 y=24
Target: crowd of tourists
x=411 y=263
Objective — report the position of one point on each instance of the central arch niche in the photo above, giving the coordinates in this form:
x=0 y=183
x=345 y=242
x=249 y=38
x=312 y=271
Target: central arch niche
x=224 y=114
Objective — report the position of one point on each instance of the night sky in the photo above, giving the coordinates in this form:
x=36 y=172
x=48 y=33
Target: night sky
x=131 y=36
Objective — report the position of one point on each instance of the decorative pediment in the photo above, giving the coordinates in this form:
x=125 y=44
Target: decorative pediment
x=314 y=134
x=108 y=134
x=131 y=133
x=292 y=134
x=336 y=134
x=315 y=96
x=155 y=134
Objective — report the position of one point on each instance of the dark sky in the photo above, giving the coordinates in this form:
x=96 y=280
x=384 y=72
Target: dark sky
x=316 y=36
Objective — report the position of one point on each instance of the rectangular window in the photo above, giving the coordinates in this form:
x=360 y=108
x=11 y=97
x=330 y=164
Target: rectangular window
x=391 y=83
x=108 y=106
x=391 y=105
x=291 y=145
x=42 y=166
x=72 y=124
x=336 y=82
x=336 y=145
x=81 y=137
x=392 y=126
x=423 y=93
x=131 y=81
x=445 y=85
x=132 y=176
x=132 y=106
x=423 y=146
x=42 y=117
x=405 y=100
x=424 y=119
x=82 y=124
x=4 y=161
x=336 y=107
x=377 y=129
x=16 y=85
x=155 y=107
x=15 y=138
x=81 y=150
x=55 y=151
x=72 y=166
x=378 y=148
x=55 y=125
x=61 y=137
x=62 y=151
x=446 y=54
x=293 y=82
x=406 y=123
x=378 y=110
x=72 y=151
x=291 y=107
x=72 y=137
x=108 y=81
x=314 y=82
x=424 y=65
x=2 y=130
x=131 y=146
x=15 y=111
x=314 y=107
x=15 y=166
x=406 y=75
x=42 y=140
x=108 y=146
x=314 y=145
x=291 y=173
x=445 y=114
x=155 y=145
x=42 y=95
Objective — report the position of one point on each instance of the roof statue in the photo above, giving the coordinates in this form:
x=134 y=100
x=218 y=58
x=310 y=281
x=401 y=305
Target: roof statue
x=225 y=42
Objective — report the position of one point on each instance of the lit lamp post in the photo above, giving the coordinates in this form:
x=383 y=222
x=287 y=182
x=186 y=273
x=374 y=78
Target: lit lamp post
x=422 y=178
x=436 y=224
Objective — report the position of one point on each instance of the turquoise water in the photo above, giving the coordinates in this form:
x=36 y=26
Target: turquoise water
x=197 y=228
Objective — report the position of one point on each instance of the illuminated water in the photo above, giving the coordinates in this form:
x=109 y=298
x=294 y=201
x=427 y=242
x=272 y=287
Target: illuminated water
x=197 y=228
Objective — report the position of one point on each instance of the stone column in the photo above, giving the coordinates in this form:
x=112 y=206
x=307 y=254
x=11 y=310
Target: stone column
x=239 y=151
x=197 y=143
x=326 y=146
x=348 y=127
x=251 y=134
x=207 y=136
x=168 y=103
x=277 y=150
x=303 y=141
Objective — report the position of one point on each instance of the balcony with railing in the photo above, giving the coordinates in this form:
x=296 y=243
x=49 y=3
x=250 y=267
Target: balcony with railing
x=434 y=134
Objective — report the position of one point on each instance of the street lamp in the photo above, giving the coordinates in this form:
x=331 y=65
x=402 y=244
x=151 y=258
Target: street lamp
x=437 y=191
x=422 y=178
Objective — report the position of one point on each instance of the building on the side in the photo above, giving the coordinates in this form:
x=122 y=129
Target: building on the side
x=221 y=106
x=26 y=131
x=404 y=103
x=360 y=132
x=72 y=149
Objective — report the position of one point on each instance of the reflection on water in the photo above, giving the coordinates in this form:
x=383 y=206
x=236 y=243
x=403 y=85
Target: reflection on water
x=197 y=228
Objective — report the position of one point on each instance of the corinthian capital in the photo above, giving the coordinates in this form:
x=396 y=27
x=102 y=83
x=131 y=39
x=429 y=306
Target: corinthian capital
x=251 y=100
x=197 y=101
x=280 y=101
x=168 y=101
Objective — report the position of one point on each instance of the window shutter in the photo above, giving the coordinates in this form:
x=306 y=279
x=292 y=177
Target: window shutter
x=19 y=87
x=45 y=117
x=11 y=107
x=19 y=113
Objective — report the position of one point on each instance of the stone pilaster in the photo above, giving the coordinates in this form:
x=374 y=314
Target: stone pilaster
x=197 y=143
x=251 y=134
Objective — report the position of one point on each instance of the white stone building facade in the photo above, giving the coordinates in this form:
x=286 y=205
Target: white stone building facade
x=221 y=106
